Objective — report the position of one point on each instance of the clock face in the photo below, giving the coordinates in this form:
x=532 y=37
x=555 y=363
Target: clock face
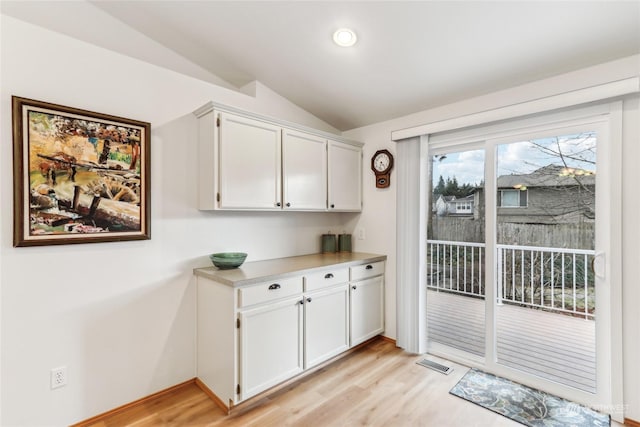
x=381 y=162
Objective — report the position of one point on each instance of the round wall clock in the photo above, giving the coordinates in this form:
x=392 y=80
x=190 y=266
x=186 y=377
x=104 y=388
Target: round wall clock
x=381 y=164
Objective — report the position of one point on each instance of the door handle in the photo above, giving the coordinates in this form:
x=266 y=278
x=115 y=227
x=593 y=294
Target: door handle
x=599 y=268
x=328 y=276
x=274 y=287
x=369 y=267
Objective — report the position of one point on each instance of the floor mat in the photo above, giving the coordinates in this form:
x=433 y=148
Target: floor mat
x=523 y=404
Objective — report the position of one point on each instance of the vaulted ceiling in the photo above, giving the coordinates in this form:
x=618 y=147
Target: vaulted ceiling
x=410 y=56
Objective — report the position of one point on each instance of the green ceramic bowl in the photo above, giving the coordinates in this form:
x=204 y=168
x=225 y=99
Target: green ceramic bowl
x=228 y=260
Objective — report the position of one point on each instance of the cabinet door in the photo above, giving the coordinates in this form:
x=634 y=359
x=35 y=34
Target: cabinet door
x=345 y=177
x=367 y=309
x=304 y=171
x=270 y=345
x=326 y=321
x=250 y=163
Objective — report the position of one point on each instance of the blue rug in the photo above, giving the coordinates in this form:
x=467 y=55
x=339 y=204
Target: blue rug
x=524 y=404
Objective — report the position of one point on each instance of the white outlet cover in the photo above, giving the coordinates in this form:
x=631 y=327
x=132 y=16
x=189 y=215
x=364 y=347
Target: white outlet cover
x=58 y=377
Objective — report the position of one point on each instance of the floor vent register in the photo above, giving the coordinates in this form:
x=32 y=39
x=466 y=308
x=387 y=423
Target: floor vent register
x=435 y=366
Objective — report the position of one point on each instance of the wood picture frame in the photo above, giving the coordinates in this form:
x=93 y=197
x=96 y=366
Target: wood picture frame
x=79 y=176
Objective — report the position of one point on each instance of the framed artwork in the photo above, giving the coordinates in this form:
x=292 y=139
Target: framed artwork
x=79 y=176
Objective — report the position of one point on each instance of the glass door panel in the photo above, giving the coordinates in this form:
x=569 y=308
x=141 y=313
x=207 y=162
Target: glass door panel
x=545 y=234
x=456 y=252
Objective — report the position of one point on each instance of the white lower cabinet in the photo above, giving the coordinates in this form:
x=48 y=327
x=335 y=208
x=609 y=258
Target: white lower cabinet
x=251 y=338
x=367 y=311
x=326 y=324
x=280 y=340
x=366 y=302
x=270 y=345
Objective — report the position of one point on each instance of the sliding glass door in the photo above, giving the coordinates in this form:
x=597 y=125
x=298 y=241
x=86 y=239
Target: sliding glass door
x=545 y=306
x=517 y=244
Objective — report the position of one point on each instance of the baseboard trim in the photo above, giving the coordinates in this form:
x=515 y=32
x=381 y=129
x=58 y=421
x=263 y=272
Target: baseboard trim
x=632 y=423
x=387 y=339
x=144 y=401
x=206 y=390
x=230 y=407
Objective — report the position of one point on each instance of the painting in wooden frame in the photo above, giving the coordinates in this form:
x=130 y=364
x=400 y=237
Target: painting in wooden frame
x=79 y=176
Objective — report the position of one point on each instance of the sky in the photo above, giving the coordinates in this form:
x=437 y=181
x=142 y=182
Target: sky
x=579 y=151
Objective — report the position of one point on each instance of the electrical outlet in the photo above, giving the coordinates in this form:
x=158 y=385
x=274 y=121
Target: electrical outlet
x=361 y=235
x=58 y=377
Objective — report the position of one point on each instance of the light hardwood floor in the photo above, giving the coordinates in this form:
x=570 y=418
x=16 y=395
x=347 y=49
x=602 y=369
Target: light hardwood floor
x=377 y=385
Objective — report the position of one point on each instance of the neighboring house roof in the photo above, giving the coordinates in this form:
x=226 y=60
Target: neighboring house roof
x=469 y=198
x=548 y=176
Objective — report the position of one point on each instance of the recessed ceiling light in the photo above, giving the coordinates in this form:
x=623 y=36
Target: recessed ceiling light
x=345 y=37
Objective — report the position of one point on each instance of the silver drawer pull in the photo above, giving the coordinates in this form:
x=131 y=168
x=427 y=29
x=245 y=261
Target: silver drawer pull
x=328 y=276
x=369 y=267
x=274 y=287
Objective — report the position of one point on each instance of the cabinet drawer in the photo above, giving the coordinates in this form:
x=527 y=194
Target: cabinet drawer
x=325 y=279
x=269 y=291
x=367 y=270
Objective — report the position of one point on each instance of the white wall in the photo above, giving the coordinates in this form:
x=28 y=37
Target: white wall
x=120 y=316
x=378 y=217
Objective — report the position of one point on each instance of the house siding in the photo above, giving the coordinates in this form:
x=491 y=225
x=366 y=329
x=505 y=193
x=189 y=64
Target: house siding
x=553 y=205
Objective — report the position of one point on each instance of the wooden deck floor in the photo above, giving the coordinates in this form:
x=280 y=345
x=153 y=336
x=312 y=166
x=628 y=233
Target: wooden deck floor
x=553 y=346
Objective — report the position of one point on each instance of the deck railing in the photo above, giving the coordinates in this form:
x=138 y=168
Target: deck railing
x=556 y=279
x=456 y=267
x=553 y=279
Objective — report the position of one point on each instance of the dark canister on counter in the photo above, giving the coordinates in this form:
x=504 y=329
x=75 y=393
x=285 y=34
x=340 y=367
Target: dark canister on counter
x=328 y=243
x=344 y=242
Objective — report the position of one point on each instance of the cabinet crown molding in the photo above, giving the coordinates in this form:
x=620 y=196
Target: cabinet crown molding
x=210 y=106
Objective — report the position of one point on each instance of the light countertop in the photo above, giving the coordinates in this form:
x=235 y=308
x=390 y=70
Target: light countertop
x=250 y=273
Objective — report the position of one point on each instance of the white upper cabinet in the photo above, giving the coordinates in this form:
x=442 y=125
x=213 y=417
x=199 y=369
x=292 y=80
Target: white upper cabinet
x=304 y=171
x=345 y=177
x=251 y=162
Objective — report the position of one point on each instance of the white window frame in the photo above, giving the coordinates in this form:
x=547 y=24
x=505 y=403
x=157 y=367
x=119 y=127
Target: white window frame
x=519 y=192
